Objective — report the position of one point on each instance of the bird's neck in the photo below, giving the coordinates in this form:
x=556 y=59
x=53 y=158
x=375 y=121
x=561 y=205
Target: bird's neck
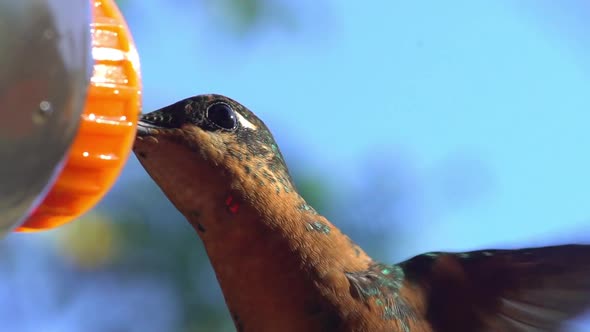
x=271 y=250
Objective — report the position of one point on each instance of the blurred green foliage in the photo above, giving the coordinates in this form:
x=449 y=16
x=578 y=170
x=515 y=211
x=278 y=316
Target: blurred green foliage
x=240 y=17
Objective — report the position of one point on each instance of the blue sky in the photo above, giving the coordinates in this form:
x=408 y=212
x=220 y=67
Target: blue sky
x=485 y=102
x=497 y=88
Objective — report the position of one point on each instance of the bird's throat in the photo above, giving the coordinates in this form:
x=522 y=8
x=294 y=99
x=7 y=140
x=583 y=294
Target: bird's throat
x=263 y=252
x=261 y=241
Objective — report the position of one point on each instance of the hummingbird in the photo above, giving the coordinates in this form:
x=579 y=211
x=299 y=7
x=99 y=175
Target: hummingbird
x=284 y=267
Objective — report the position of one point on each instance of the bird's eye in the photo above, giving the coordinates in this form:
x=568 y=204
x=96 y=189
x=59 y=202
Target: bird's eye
x=221 y=115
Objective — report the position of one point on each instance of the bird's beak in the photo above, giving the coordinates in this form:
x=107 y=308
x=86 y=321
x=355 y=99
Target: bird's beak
x=168 y=117
x=145 y=128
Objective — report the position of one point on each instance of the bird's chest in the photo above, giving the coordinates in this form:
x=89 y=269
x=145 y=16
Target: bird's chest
x=266 y=288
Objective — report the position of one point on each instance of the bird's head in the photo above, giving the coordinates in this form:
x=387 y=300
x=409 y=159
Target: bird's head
x=203 y=146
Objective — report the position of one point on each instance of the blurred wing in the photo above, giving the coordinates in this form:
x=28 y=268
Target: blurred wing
x=503 y=290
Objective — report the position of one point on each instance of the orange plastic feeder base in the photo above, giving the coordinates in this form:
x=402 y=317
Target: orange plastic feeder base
x=108 y=124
